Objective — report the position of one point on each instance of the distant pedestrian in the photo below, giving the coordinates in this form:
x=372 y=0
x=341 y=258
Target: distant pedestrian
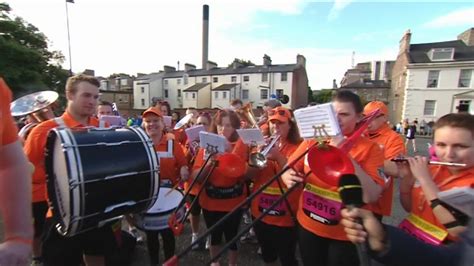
x=405 y=124
x=410 y=135
x=422 y=127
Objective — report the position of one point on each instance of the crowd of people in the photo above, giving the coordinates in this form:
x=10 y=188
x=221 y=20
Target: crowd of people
x=312 y=218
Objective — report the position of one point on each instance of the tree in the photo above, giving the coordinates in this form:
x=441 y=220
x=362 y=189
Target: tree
x=323 y=96
x=241 y=63
x=26 y=63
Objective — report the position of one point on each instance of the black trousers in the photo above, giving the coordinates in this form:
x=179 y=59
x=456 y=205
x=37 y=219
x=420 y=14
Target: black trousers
x=321 y=251
x=277 y=242
x=153 y=244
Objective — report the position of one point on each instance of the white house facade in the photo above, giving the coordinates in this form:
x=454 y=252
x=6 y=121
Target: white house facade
x=256 y=84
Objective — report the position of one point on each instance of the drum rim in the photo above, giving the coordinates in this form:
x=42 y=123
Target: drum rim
x=165 y=192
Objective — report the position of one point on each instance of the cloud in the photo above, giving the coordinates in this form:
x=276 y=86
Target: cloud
x=462 y=17
x=336 y=9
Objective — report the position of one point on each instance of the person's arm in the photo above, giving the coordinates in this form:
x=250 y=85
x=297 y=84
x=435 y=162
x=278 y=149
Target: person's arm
x=15 y=205
x=419 y=168
x=390 y=245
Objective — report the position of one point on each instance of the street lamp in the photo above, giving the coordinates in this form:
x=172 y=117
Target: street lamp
x=69 y=37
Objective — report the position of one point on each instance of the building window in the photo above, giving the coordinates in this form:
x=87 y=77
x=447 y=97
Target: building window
x=279 y=94
x=178 y=81
x=465 y=78
x=166 y=93
x=224 y=95
x=216 y=95
x=165 y=82
x=430 y=106
x=245 y=94
x=215 y=79
x=433 y=77
x=264 y=77
x=464 y=106
x=193 y=95
x=440 y=54
x=204 y=80
x=185 y=79
x=233 y=79
x=123 y=82
x=143 y=89
x=264 y=94
x=179 y=93
x=246 y=78
x=143 y=102
x=284 y=76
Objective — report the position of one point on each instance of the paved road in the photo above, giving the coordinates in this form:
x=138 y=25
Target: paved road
x=248 y=252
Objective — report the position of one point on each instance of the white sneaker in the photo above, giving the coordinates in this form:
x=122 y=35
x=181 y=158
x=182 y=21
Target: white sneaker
x=194 y=237
x=208 y=242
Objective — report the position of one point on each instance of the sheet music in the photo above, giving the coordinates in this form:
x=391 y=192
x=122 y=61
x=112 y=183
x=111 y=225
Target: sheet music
x=167 y=120
x=461 y=198
x=193 y=132
x=210 y=139
x=112 y=120
x=251 y=136
x=322 y=114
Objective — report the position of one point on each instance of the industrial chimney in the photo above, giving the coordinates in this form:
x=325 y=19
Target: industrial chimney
x=205 y=35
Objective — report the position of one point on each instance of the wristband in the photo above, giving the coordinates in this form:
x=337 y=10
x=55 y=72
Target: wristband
x=19 y=239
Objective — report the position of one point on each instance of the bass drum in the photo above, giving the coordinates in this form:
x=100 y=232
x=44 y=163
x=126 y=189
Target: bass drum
x=97 y=175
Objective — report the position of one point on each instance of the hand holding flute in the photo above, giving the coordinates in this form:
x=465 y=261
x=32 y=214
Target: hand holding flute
x=403 y=159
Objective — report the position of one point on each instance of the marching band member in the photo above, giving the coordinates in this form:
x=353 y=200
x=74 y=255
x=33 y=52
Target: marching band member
x=104 y=108
x=276 y=232
x=15 y=189
x=321 y=238
x=205 y=120
x=173 y=169
x=217 y=201
x=82 y=93
x=429 y=219
x=392 y=145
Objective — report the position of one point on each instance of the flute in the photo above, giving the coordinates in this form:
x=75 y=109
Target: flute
x=432 y=162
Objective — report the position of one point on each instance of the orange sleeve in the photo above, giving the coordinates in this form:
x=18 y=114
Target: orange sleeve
x=35 y=145
x=8 y=128
x=299 y=165
x=395 y=148
x=241 y=150
x=179 y=155
x=198 y=161
x=373 y=163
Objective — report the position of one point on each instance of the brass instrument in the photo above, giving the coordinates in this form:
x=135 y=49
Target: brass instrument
x=37 y=105
x=259 y=158
x=245 y=113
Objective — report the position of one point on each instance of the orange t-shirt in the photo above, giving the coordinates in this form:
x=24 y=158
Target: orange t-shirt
x=319 y=206
x=392 y=145
x=8 y=129
x=35 y=151
x=181 y=135
x=444 y=180
x=280 y=215
x=226 y=202
x=170 y=167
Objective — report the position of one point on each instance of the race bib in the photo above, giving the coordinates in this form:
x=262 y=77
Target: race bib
x=321 y=205
x=423 y=230
x=267 y=198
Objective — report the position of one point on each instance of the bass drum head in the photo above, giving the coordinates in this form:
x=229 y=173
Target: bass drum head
x=167 y=201
x=58 y=179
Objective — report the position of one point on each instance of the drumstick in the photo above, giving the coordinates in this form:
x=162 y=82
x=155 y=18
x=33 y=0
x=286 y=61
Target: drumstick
x=432 y=162
x=172 y=189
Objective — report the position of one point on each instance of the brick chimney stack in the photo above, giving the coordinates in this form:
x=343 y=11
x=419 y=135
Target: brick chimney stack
x=467 y=37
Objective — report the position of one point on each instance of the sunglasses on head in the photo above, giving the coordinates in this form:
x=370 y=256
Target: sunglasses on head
x=274 y=112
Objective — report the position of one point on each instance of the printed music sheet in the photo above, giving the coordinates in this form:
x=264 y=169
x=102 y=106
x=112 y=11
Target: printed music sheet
x=215 y=141
x=251 y=136
x=461 y=198
x=193 y=132
x=322 y=114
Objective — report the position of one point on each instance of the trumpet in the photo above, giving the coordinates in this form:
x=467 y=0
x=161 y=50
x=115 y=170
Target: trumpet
x=259 y=158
